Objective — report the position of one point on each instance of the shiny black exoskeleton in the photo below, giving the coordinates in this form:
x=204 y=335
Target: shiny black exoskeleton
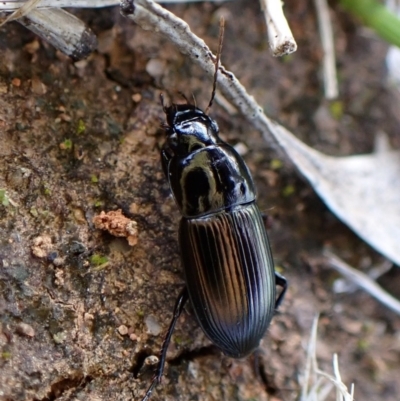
x=205 y=174
x=226 y=256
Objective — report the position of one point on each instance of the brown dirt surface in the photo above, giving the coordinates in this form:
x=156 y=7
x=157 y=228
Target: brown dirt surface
x=80 y=310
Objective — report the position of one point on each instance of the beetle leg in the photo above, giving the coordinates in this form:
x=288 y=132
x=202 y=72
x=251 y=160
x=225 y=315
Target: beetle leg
x=282 y=282
x=179 y=305
x=166 y=155
x=164 y=107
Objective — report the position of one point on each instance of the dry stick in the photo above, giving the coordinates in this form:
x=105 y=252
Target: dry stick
x=363 y=281
x=311 y=360
x=280 y=36
x=63 y=30
x=12 y=5
x=57 y=26
x=329 y=61
x=151 y=16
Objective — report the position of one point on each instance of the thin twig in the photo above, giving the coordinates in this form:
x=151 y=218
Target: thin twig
x=317 y=384
x=21 y=11
x=329 y=61
x=310 y=361
x=343 y=285
x=12 y=5
x=280 y=36
x=363 y=281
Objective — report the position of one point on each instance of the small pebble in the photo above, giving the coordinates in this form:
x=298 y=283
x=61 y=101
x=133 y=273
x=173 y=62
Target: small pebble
x=25 y=329
x=151 y=360
x=16 y=82
x=123 y=330
x=153 y=326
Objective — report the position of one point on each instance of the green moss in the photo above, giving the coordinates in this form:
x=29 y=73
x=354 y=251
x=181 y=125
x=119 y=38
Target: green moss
x=287 y=58
x=97 y=260
x=288 y=191
x=362 y=344
x=4 y=200
x=6 y=355
x=67 y=144
x=81 y=128
x=34 y=212
x=336 y=109
x=178 y=340
x=46 y=190
x=98 y=203
x=94 y=179
x=276 y=164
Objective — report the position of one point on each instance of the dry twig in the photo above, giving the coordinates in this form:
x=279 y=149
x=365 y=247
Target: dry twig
x=363 y=281
x=329 y=60
x=280 y=36
x=317 y=384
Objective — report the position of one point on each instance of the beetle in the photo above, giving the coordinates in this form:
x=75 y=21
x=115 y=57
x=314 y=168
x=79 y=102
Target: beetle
x=225 y=252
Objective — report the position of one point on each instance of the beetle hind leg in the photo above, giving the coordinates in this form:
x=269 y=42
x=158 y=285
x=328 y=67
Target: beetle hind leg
x=179 y=305
x=282 y=282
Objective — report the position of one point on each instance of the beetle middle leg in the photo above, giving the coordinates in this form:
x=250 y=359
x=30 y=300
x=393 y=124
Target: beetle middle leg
x=282 y=282
x=178 y=308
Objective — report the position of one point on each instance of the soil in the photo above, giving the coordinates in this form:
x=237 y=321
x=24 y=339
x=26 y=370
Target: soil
x=81 y=310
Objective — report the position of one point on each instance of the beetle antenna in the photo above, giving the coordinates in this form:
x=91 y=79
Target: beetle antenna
x=221 y=38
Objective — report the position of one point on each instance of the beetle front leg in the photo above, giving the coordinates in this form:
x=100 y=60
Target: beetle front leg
x=166 y=156
x=179 y=305
x=282 y=282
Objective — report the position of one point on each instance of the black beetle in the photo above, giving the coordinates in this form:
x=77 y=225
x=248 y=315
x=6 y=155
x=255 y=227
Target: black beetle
x=225 y=251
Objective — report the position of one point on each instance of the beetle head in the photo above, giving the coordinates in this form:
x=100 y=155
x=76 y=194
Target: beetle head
x=188 y=128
